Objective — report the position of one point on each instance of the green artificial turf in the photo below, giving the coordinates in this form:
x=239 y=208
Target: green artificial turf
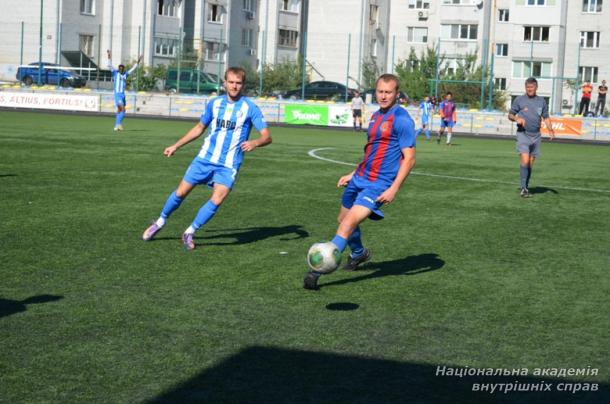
x=464 y=272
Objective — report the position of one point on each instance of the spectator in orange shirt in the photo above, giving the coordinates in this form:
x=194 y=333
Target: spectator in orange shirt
x=587 y=89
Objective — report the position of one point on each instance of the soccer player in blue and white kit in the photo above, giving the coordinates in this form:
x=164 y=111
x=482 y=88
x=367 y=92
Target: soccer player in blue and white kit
x=389 y=156
x=119 y=83
x=426 y=110
x=230 y=118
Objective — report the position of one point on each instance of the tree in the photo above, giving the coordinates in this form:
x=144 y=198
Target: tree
x=370 y=72
x=281 y=77
x=418 y=74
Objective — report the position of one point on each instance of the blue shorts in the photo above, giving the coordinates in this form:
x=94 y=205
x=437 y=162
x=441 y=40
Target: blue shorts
x=119 y=99
x=202 y=172
x=447 y=123
x=424 y=120
x=364 y=193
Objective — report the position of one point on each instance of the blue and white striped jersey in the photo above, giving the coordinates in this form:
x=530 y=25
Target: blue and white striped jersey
x=229 y=126
x=425 y=107
x=120 y=80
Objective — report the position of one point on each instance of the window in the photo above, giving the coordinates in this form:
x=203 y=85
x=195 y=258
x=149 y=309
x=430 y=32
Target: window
x=589 y=39
x=246 y=38
x=166 y=47
x=212 y=51
x=373 y=14
x=503 y=15
x=214 y=13
x=419 y=4
x=592 y=6
x=588 y=73
x=288 y=38
x=451 y=65
x=250 y=5
x=458 y=2
x=501 y=49
x=536 y=2
x=500 y=83
x=87 y=7
x=417 y=34
x=459 y=31
x=374 y=47
x=524 y=69
x=167 y=8
x=537 y=34
x=86 y=44
x=290 y=5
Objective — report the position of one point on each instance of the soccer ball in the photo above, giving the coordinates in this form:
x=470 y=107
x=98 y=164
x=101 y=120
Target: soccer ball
x=323 y=257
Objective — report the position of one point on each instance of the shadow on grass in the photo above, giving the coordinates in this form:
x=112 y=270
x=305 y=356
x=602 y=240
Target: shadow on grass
x=7 y=175
x=542 y=190
x=8 y=307
x=247 y=235
x=274 y=375
x=413 y=265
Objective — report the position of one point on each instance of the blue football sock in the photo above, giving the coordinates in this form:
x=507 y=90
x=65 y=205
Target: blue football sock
x=427 y=134
x=340 y=242
x=207 y=211
x=117 y=120
x=355 y=243
x=172 y=203
x=121 y=116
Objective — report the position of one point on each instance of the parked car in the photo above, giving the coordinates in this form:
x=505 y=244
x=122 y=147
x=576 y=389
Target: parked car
x=321 y=90
x=188 y=81
x=51 y=74
x=402 y=96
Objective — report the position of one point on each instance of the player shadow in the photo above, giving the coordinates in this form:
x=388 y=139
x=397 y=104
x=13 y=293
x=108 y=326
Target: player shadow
x=8 y=307
x=248 y=235
x=412 y=265
x=258 y=374
x=251 y=234
x=542 y=190
x=7 y=175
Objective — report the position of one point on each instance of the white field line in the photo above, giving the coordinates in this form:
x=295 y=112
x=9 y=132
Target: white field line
x=313 y=153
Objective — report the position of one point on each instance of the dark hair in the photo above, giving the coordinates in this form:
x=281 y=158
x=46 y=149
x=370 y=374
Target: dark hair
x=531 y=80
x=123 y=66
x=389 y=77
x=449 y=93
x=237 y=70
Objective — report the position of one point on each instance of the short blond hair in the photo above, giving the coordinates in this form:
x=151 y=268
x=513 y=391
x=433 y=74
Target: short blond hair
x=387 y=77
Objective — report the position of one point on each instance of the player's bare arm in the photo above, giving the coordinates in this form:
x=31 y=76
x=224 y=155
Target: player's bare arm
x=262 y=141
x=516 y=118
x=549 y=126
x=191 y=135
x=343 y=181
x=406 y=165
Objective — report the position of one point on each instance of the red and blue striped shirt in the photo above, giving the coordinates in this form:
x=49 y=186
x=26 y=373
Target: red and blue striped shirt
x=389 y=132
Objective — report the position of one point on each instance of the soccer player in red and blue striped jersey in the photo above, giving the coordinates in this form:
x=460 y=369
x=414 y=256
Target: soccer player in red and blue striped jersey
x=389 y=156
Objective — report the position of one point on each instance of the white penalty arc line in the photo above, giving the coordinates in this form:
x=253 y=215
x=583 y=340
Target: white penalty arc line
x=312 y=153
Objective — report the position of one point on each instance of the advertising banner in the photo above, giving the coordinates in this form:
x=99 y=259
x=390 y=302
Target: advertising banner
x=65 y=102
x=564 y=126
x=306 y=114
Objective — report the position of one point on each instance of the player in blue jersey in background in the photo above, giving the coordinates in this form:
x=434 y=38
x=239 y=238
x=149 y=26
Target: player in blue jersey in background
x=426 y=109
x=389 y=156
x=448 y=118
x=229 y=118
x=119 y=84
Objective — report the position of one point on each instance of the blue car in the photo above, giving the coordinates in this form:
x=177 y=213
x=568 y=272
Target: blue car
x=51 y=74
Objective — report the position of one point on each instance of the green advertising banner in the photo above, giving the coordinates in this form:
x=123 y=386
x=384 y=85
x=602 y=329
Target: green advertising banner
x=298 y=114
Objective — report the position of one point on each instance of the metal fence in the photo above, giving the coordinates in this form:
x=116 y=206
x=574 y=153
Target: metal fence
x=277 y=64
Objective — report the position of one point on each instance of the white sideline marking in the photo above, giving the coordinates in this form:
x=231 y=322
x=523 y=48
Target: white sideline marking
x=313 y=154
